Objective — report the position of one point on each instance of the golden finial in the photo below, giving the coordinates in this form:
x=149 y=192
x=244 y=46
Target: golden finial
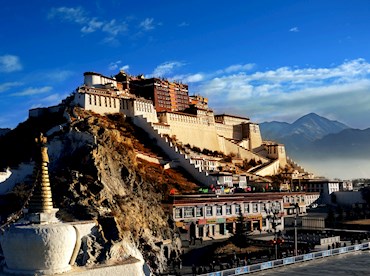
x=41 y=199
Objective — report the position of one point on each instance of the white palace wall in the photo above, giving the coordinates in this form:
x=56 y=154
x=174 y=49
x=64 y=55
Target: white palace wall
x=98 y=103
x=93 y=79
x=229 y=131
x=254 y=135
x=107 y=104
x=190 y=129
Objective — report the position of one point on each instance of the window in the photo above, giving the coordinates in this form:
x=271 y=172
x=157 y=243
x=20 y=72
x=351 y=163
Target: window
x=237 y=209
x=89 y=99
x=189 y=212
x=219 y=211
x=255 y=207
x=246 y=207
x=264 y=222
x=209 y=211
x=199 y=211
x=178 y=213
x=228 y=209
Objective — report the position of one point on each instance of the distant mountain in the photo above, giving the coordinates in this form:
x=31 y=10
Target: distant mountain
x=347 y=143
x=309 y=127
x=4 y=131
x=313 y=136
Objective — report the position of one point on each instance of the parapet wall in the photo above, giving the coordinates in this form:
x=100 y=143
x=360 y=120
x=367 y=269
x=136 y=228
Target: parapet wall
x=189 y=129
x=229 y=131
x=271 y=169
x=229 y=147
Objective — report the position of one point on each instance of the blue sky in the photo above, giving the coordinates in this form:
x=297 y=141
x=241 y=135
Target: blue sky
x=268 y=60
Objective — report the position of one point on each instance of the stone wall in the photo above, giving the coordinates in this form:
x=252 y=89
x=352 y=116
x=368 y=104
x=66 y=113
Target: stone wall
x=108 y=104
x=270 y=169
x=190 y=129
x=173 y=152
x=229 y=131
x=252 y=131
x=229 y=147
x=100 y=104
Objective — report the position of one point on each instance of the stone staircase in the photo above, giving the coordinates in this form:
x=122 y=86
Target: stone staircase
x=231 y=146
x=270 y=168
x=179 y=157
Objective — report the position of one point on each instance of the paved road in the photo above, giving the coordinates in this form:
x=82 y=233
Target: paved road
x=347 y=264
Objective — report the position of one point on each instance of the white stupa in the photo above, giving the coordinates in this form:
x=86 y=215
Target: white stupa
x=39 y=244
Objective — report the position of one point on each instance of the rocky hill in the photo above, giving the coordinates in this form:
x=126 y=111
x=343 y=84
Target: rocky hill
x=4 y=131
x=95 y=175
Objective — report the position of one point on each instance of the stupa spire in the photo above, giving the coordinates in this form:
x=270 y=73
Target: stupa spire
x=41 y=200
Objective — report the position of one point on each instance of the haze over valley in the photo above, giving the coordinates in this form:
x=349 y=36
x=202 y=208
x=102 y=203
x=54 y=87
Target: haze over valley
x=326 y=147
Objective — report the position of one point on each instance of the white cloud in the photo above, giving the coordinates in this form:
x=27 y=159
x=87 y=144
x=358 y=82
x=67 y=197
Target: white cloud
x=55 y=75
x=92 y=26
x=33 y=91
x=287 y=92
x=114 y=28
x=166 y=68
x=111 y=40
x=189 y=78
x=53 y=99
x=147 y=24
x=183 y=24
x=114 y=65
x=10 y=63
x=294 y=30
x=239 y=67
x=125 y=67
x=50 y=100
x=8 y=85
x=78 y=16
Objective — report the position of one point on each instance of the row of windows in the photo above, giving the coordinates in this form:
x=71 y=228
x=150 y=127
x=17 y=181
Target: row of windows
x=184 y=98
x=210 y=211
x=293 y=199
x=108 y=101
x=164 y=98
x=143 y=107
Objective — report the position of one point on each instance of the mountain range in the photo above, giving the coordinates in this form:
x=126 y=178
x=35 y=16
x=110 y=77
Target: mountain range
x=313 y=136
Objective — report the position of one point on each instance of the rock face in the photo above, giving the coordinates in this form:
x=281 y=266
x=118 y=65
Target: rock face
x=95 y=176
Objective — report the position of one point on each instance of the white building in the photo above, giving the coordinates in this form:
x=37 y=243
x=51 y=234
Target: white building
x=218 y=216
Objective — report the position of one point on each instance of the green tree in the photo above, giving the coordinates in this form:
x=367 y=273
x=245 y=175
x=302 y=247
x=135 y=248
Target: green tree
x=330 y=219
x=241 y=237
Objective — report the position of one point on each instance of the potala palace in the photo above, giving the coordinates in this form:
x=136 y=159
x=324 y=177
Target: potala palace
x=181 y=123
